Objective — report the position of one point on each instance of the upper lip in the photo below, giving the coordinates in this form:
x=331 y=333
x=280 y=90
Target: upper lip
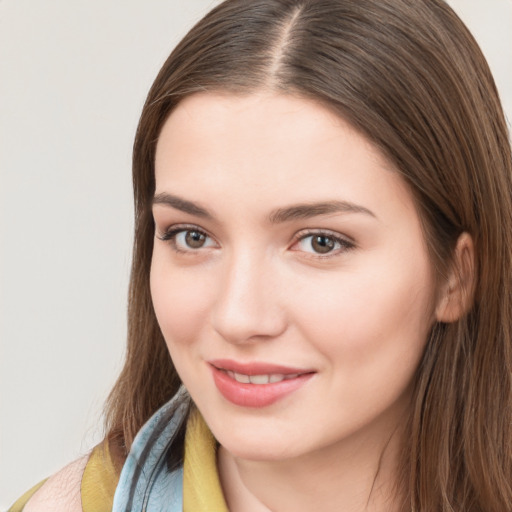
x=256 y=368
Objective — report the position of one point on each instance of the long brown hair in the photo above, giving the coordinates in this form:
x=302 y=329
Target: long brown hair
x=410 y=77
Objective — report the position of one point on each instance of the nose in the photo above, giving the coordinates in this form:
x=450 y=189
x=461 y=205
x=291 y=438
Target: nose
x=247 y=306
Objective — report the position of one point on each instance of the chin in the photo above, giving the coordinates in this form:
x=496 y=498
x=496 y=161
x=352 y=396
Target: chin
x=259 y=451
x=254 y=445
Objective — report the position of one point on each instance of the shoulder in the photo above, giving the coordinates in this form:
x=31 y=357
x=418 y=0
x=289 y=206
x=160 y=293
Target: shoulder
x=61 y=492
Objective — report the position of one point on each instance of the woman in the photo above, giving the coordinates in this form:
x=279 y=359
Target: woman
x=320 y=298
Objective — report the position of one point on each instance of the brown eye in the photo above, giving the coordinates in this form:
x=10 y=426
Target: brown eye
x=322 y=244
x=195 y=239
x=188 y=240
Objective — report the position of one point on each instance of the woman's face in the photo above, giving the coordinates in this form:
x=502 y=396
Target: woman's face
x=290 y=276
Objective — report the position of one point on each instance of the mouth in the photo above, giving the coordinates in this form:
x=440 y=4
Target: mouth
x=259 y=380
x=256 y=384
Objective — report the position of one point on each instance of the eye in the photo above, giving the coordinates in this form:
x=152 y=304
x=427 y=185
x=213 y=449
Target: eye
x=323 y=244
x=187 y=239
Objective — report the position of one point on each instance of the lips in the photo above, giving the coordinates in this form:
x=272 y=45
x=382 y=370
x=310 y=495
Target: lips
x=256 y=384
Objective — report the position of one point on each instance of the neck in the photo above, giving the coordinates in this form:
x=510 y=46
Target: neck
x=354 y=475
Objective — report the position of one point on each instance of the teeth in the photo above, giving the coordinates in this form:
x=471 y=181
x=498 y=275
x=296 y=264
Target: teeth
x=240 y=377
x=260 y=379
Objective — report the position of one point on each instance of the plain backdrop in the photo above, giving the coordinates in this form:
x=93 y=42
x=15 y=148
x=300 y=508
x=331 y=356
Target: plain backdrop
x=73 y=78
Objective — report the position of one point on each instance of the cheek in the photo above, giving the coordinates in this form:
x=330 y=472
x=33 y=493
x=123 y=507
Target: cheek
x=372 y=316
x=371 y=330
x=180 y=301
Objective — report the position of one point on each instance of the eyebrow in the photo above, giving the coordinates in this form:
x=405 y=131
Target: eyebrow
x=308 y=210
x=182 y=205
x=278 y=216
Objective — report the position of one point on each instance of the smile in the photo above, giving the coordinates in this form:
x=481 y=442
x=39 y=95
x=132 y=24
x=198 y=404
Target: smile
x=260 y=379
x=258 y=384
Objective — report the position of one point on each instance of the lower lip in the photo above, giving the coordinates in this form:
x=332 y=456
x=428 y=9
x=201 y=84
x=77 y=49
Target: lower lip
x=255 y=395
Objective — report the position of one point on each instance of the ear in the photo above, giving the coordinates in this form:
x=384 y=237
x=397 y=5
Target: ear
x=457 y=292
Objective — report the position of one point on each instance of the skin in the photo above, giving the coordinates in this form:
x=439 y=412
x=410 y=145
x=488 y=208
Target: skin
x=61 y=492
x=257 y=290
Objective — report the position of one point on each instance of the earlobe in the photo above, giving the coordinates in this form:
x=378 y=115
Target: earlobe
x=457 y=293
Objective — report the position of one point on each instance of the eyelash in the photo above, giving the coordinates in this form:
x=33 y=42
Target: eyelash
x=170 y=236
x=344 y=243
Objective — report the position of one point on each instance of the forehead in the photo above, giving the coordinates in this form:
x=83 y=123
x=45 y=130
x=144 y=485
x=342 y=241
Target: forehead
x=271 y=147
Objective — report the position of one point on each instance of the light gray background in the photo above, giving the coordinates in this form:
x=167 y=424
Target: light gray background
x=73 y=78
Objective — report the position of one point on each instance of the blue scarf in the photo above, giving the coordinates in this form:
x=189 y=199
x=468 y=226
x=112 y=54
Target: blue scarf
x=145 y=483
